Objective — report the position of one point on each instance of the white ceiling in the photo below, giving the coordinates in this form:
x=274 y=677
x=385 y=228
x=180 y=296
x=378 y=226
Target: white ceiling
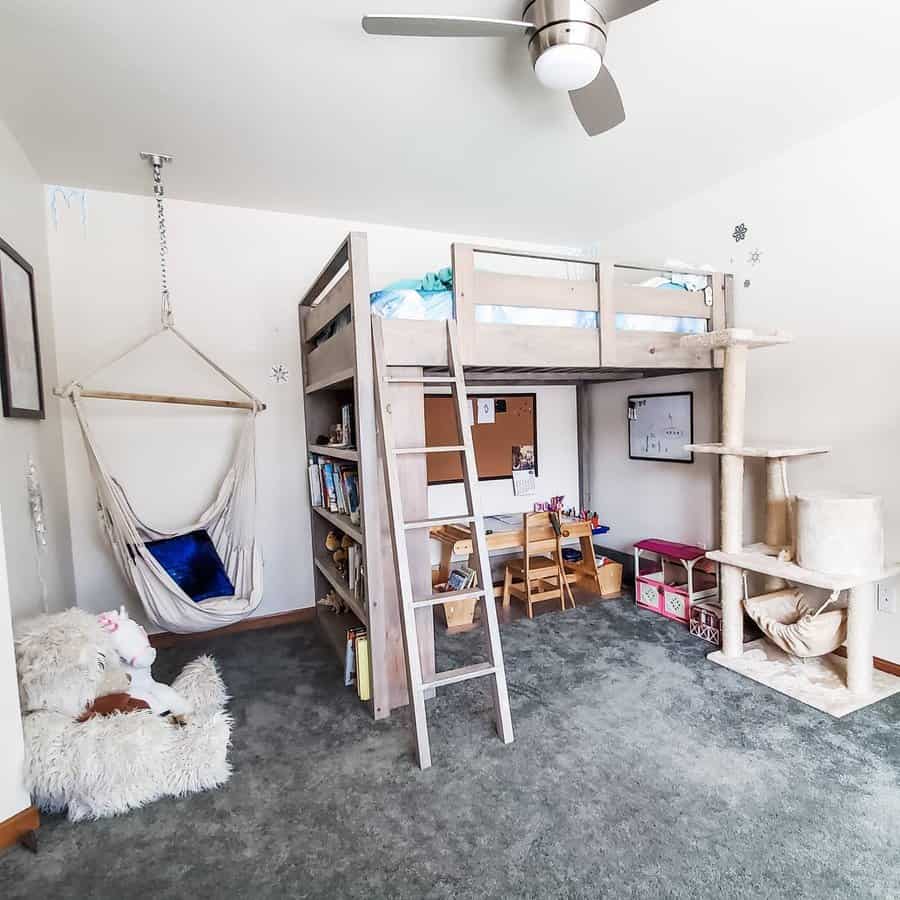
x=289 y=106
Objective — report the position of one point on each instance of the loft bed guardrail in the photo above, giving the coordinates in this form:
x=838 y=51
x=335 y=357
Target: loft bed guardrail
x=556 y=316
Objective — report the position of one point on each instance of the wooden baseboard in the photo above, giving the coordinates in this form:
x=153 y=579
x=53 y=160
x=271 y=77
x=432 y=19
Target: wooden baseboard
x=278 y=620
x=14 y=828
x=883 y=665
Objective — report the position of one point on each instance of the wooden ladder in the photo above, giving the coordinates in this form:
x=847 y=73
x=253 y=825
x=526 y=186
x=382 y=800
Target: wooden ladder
x=493 y=668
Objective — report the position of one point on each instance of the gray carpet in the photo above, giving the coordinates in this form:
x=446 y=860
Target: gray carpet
x=639 y=770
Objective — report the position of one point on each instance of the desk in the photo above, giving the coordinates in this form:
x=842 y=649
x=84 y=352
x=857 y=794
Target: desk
x=507 y=533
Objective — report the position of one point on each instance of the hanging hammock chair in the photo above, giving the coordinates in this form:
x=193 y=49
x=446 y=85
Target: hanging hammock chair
x=208 y=574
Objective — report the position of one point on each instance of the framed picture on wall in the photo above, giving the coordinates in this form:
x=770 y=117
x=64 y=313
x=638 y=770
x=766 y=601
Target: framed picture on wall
x=21 y=380
x=660 y=425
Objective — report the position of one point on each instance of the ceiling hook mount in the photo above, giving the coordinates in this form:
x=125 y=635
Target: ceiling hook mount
x=157 y=161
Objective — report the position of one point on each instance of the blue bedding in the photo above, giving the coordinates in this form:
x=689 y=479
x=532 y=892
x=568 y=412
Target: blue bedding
x=431 y=298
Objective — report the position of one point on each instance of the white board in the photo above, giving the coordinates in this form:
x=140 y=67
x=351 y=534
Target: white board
x=660 y=425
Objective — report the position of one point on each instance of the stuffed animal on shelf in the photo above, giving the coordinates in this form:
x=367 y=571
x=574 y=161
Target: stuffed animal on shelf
x=338 y=545
x=137 y=657
x=333 y=602
x=94 y=755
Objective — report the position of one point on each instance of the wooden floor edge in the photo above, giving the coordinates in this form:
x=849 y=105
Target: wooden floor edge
x=15 y=827
x=165 y=639
x=883 y=665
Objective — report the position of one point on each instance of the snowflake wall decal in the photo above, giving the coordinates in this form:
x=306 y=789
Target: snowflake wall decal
x=279 y=374
x=755 y=257
x=740 y=232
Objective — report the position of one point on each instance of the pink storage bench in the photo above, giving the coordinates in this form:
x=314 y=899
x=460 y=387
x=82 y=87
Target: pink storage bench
x=669 y=578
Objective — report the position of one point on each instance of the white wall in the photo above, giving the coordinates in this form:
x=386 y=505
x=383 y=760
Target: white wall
x=236 y=276
x=826 y=217
x=22 y=227
x=13 y=796
x=641 y=498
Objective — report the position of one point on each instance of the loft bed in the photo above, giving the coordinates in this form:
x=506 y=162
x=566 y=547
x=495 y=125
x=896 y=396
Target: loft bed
x=622 y=321
x=635 y=328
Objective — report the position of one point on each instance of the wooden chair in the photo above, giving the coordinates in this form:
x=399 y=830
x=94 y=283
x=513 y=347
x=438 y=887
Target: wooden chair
x=540 y=574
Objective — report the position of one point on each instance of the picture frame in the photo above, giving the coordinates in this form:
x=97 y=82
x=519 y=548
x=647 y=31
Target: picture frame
x=660 y=425
x=21 y=375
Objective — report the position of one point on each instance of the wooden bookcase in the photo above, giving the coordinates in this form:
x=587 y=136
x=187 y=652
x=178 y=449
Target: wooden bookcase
x=340 y=371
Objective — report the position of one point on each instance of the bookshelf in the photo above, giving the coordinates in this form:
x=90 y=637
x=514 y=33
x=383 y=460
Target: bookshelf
x=348 y=453
x=341 y=522
x=338 y=371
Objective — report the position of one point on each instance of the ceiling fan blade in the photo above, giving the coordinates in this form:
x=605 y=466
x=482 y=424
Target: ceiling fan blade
x=615 y=9
x=443 y=26
x=599 y=105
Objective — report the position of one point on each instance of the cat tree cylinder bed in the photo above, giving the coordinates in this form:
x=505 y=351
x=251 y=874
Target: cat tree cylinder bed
x=840 y=534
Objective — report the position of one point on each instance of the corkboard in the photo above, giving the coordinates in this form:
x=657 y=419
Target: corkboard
x=493 y=442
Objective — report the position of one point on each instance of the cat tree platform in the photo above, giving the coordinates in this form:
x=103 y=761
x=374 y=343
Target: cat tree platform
x=757 y=452
x=730 y=338
x=763 y=559
x=819 y=683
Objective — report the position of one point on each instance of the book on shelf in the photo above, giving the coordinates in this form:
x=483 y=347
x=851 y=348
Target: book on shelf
x=354 y=571
x=347 y=424
x=337 y=488
x=329 y=489
x=315 y=482
x=352 y=562
x=461 y=578
x=363 y=676
x=352 y=491
x=350 y=654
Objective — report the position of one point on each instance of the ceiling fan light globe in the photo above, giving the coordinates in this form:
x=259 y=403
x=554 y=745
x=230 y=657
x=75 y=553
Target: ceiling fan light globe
x=568 y=67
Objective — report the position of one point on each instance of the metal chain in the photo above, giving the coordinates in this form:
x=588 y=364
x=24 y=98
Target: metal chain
x=160 y=192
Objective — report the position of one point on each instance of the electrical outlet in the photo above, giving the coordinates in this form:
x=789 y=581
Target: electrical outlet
x=886 y=601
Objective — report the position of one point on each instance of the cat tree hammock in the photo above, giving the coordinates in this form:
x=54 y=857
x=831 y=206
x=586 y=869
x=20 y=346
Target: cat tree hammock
x=826 y=682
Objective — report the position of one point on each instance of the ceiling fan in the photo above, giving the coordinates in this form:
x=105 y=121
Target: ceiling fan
x=566 y=39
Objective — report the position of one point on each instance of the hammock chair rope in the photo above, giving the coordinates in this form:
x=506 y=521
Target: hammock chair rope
x=230 y=519
x=159 y=191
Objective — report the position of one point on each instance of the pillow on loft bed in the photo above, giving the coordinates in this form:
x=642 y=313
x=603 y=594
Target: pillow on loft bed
x=192 y=562
x=428 y=298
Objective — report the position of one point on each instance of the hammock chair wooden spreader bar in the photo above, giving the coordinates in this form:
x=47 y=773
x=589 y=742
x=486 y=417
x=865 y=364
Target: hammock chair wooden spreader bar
x=227 y=527
x=160 y=398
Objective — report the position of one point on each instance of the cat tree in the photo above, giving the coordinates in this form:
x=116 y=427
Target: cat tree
x=774 y=558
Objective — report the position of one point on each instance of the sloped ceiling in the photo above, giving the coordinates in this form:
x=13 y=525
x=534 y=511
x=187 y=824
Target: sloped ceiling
x=289 y=106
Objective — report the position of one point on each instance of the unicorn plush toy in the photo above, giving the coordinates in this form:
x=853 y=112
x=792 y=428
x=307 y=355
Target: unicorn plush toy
x=133 y=646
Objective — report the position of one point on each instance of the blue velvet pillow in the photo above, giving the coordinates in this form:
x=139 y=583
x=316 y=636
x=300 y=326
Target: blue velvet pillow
x=194 y=565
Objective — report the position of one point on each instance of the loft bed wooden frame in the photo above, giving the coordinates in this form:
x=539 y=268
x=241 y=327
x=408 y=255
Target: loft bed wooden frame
x=493 y=354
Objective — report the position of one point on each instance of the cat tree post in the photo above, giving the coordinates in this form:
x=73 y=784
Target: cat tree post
x=734 y=396
x=736 y=343
x=860 y=613
x=777 y=530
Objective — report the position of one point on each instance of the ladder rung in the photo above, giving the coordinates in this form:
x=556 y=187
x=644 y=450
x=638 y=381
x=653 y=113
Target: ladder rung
x=437 y=523
x=449 y=597
x=454 y=676
x=422 y=379
x=452 y=448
